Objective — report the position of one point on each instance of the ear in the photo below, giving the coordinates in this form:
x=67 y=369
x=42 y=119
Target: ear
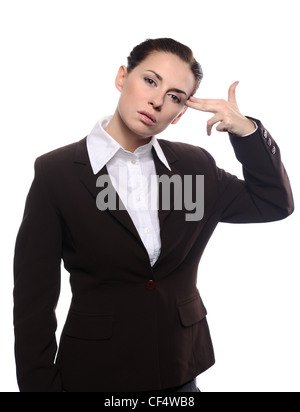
x=180 y=115
x=121 y=77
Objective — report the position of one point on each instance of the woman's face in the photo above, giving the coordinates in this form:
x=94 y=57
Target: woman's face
x=153 y=94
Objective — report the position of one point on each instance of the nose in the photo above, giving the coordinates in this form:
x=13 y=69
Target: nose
x=156 y=101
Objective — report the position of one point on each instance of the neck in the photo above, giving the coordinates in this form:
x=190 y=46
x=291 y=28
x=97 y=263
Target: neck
x=118 y=130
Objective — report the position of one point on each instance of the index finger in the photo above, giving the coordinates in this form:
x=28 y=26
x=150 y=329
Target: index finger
x=205 y=105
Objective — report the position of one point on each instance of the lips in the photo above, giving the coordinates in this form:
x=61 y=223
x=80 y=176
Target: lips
x=147 y=117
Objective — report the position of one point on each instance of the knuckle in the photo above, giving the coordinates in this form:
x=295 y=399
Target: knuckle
x=204 y=106
x=227 y=123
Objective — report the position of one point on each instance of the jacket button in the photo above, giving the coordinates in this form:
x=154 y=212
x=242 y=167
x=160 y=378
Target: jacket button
x=150 y=285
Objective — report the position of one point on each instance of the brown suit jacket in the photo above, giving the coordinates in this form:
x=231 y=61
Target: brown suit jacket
x=124 y=333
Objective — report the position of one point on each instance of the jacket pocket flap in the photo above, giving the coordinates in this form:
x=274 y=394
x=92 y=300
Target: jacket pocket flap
x=192 y=311
x=89 y=327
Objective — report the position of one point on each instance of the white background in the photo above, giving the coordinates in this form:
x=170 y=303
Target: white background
x=58 y=63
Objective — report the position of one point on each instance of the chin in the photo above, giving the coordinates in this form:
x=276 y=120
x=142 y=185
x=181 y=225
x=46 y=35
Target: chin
x=143 y=131
x=147 y=131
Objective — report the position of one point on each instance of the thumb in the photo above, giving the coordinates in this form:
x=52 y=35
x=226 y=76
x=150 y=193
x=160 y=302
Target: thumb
x=232 y=92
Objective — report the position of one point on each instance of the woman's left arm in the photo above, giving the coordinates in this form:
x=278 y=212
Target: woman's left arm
x=265 y=195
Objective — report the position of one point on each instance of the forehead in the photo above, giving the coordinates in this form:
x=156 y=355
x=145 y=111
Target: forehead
x=175 y=73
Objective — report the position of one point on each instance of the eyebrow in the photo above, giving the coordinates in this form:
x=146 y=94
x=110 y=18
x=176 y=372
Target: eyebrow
x=160 y=78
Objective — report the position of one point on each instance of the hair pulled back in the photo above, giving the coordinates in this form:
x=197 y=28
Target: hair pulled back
x=167 y=45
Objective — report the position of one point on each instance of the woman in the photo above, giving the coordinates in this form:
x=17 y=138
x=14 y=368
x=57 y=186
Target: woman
x=132 y=243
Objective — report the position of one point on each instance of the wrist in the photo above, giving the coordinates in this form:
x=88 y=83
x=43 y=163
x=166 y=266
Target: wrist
x=248 y=128
x=254 y=128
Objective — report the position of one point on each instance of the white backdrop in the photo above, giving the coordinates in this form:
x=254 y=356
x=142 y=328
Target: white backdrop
x=58 y=63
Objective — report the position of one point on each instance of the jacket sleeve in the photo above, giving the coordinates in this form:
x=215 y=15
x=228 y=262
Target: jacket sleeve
x=265 y=195
x=36 y=290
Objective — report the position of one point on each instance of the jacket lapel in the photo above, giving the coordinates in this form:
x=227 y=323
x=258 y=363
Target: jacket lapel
x=161 y=171
x=89 y=180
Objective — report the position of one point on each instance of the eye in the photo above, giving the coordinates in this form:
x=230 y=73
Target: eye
x=175 y=98
x=151 y=82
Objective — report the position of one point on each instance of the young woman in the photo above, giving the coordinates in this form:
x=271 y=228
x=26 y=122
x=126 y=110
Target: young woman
x=130 y=216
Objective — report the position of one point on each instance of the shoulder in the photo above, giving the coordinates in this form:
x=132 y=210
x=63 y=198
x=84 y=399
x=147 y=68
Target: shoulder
x=177 y=147
x=61 y=157
x=187 y=154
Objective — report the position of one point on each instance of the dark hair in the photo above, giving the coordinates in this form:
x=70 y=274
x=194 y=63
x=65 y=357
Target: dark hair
x=143 y=50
